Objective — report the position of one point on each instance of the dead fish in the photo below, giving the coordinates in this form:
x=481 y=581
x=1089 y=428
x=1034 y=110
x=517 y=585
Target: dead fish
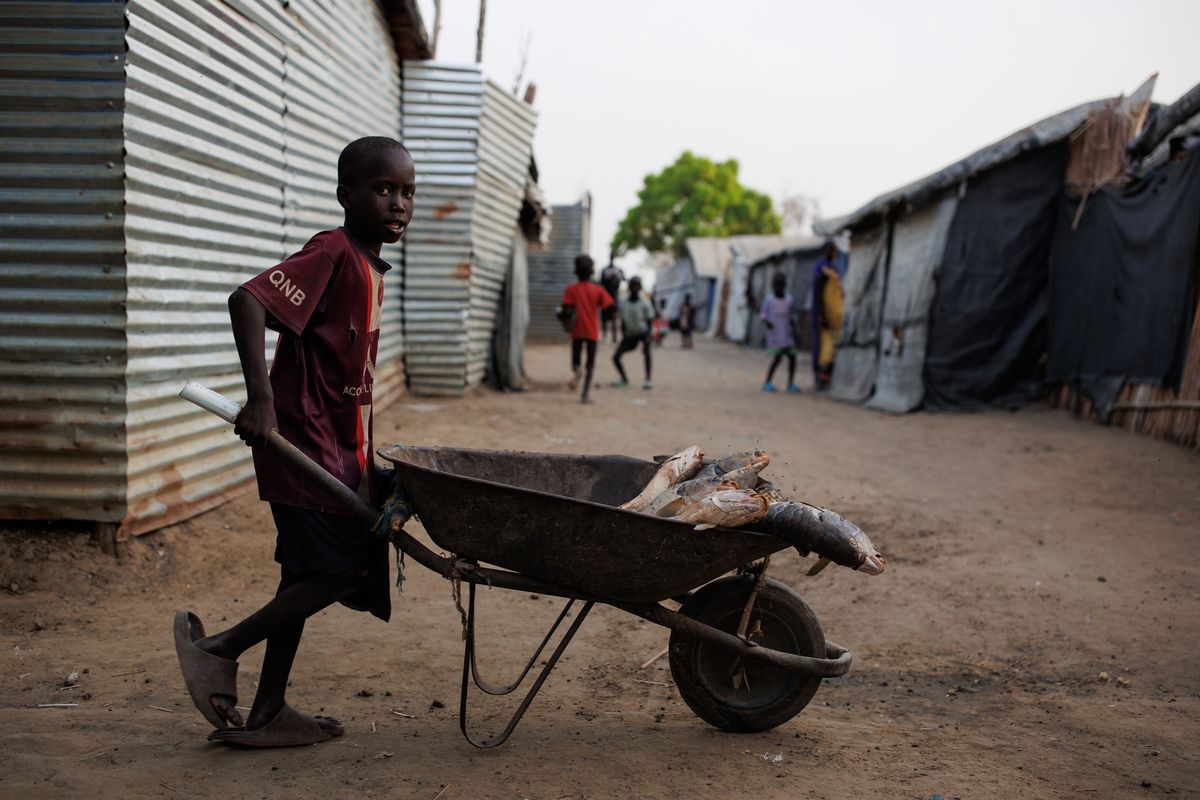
x=768 y=490
x=754 y=460
x=819 y=530
x=673 y=499
x=728 y=508
x=676 y=469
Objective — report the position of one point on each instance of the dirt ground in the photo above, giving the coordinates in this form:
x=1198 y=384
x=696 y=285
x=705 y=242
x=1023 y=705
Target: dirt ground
x=1030 y=556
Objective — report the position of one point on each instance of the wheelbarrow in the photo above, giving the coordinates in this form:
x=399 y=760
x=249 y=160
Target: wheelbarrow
x=746 y=652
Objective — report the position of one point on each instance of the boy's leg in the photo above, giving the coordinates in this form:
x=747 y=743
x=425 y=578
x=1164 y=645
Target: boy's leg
x=576 y=351
x=591 y=365
x=774 y=363
x=621 y=350
x=646 y=355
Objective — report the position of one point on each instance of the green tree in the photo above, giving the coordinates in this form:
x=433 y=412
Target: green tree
x=693 y=197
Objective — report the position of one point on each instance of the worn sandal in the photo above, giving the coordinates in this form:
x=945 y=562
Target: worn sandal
x=290 y=728
x=204 y=674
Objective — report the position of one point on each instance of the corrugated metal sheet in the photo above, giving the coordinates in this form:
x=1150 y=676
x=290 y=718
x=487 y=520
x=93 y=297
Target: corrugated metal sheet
x=441 y=110
x=342 y=81
x=62 y=329
x=471 y=142
x=204 y=211
x=235 y=116
x=505 y=145
x=552 y=268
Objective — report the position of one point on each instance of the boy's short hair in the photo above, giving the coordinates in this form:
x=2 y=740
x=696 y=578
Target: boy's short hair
x=358 y=152
x=584 y=266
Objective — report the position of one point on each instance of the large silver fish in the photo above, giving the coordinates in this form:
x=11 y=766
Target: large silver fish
x=826 y=533
x=727 y=508
x=676 y=469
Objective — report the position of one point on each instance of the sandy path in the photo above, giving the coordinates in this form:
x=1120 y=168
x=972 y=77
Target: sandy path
x=1027 y=553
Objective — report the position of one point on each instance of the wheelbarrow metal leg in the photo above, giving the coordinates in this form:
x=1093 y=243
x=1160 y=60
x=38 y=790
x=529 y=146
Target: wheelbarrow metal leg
x=468 y=671
x=491 y=688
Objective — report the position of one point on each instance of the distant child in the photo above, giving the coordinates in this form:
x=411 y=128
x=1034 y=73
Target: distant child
x=610 y=279
x=588 y=299
x=776 y=314
x=636 y=314
x=325 y=301
x=658 y=327
x=687 y=317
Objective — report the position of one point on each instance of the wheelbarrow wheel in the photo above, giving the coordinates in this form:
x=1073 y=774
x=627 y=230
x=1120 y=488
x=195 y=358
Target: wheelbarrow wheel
x=740 y=695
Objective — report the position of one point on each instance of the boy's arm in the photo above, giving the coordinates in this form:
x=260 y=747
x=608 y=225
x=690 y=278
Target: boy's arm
x=249 y=319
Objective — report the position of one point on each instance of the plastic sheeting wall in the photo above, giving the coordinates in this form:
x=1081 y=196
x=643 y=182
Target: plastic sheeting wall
x=62 y=337
x=552 y=269
x=988 y=321
x=858 y=348
x=918 y=243
x=472 y=143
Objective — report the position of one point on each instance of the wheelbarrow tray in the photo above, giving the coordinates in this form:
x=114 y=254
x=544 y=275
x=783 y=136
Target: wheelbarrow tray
x=554 y=517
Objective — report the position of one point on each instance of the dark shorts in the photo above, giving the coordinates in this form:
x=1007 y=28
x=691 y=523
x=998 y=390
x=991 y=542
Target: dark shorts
x=312 y=542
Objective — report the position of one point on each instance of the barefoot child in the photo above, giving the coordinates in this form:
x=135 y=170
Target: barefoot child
x=637 y=313
x=325 y=303
x=776 y=314
x=588 y=299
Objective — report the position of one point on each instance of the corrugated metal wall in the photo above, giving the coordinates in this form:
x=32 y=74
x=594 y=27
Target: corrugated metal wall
x=441 y=110
x=342 y=81
x=235 y=115
x=551 y=269
x=204 y=211
x=505 y=145
x=62 y=321
x=471 y=141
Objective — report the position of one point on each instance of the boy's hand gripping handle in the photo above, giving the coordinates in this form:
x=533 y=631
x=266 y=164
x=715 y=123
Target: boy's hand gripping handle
x=228 y=410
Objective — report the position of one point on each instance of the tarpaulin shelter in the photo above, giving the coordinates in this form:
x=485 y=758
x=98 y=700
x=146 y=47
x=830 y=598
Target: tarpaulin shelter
x=1046 y=259
x=900 y=256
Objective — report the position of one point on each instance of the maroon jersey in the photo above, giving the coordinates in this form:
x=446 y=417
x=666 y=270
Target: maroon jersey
x=325 y=301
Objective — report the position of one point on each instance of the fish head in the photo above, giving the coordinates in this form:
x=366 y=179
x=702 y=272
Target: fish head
x=865 y=554
x=749 y=459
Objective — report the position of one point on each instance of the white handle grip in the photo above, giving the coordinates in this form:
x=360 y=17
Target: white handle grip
x=212 y=401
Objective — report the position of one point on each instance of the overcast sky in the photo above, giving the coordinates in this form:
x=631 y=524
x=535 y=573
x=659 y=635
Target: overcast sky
x=841 y=101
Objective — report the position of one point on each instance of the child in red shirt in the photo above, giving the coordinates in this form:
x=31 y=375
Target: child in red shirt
x=325 y=301
x=588 y=299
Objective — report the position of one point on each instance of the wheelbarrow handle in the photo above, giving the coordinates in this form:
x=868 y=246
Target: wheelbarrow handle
x=228 y=410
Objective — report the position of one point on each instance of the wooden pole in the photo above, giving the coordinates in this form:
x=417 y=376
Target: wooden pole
x=479 y=32
x=437 y=27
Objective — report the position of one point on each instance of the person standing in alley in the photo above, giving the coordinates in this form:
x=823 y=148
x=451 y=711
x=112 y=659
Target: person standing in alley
x=585 y=299
x=828 y=300
x=687 y=318
x=610 y=278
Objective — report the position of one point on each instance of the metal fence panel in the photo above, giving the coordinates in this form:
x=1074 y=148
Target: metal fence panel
x=62 y=274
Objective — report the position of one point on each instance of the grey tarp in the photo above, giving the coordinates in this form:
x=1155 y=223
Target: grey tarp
x=987 y=328
x=858 y=349
x=1122 y=284
x=508 y=343
x=918 y=244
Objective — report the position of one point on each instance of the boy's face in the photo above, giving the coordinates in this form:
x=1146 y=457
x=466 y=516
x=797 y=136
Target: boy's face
x=379 y=204
x=778 y=285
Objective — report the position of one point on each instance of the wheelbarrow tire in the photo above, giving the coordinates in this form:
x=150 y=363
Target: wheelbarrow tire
x=766 y=696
